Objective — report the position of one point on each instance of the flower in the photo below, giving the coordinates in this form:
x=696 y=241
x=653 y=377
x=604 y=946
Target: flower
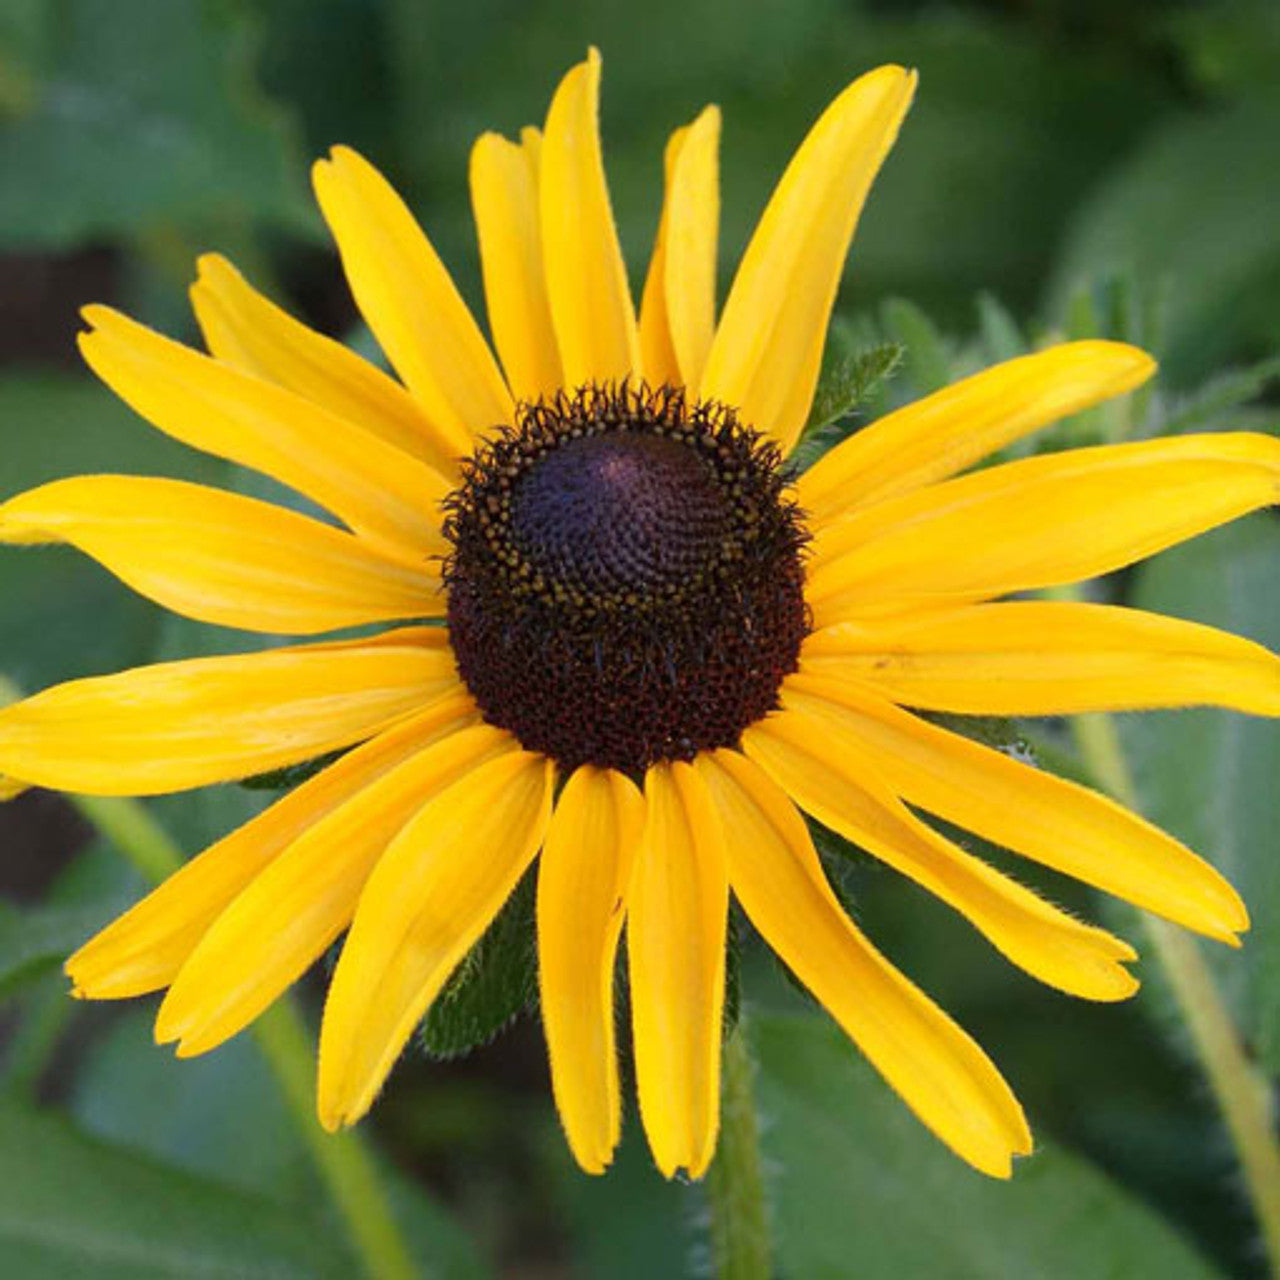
x=640 y=608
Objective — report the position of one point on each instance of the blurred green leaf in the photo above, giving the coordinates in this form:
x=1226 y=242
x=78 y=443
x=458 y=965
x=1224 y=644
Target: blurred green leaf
x=1209 y=408
x=35 y=939
x=863 y=1187
x=1210 y=776
x=77 y=1209
x=495 y=982
x=1001 y=335
x=218 y=1115
x=928 y=361
x=631 y=1224
x=147 y=114
x=1196 y=201
x=1227 y=46
x=63 y=615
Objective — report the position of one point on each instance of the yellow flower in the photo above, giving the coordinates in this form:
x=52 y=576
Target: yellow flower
x=658 y=650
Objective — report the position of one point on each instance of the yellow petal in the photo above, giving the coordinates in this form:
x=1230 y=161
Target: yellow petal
x=222 y=558
x=586 y=278
x=431 y=896
x=176 y=725
x=1039 y=657
x=657 y=349
x=288 y=916
x=411 y=304
x=1058 y=823
x=144 y=949
x=946 y=432
x=11 y=788
x=939 y=1072
x=676 y=922
x=768 y=349
x=504 y=199
x=831 y=774
x=678 y=310
x=376 y=488
x=583 y=877
x=692 y=245
x=243 y=328
x=1038 y=522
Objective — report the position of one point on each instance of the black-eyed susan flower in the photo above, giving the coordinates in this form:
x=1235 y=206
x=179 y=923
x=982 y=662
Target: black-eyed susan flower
x=629 y=641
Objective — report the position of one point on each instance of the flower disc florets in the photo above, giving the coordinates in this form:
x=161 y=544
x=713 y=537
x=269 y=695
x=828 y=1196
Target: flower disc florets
x=626 y=582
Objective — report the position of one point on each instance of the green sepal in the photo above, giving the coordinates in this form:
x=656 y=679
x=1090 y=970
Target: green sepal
x=497 y=980
x=732 y=970
x=291 y=775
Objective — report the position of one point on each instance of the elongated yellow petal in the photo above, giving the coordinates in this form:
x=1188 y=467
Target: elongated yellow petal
x=657 y=348
x=941 y=1074
x=676 y=923
x=411 y=304
x=586 y=278
x=176 y=725
x=293 y=910
x=245 y=329
x=768 y=349
x=144 y=949
x=1060 y=824
x=583 y=879
x=1038 y=522
x=946 y=432
x=678 y=310
x=11 y=788
x=376 y=488
x=431 y=896
x=1041 y=657
x=219 y=557
x=831 y=774
x=692 y=245
x=504 y=199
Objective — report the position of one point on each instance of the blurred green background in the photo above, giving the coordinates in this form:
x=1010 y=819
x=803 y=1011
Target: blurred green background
x=1071 y=167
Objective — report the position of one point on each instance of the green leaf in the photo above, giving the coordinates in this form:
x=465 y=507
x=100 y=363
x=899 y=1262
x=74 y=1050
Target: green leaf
x=73 y=1207
x=844 y=389
x=632 y=1224
x=63 y=615
x=1001 y=336
x=1210 y=776
x=191 y=1114
x=495 y=982
x=861 y=1186
x=1208 y=408
x=146 y=115
x=928 y=361
x=34 y=940
x=1195 y=201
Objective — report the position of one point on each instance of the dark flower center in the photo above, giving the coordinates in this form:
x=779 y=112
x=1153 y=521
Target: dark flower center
x=626 y=582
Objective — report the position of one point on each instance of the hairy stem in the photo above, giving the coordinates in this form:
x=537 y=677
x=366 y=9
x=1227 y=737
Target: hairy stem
x=740 y=1242
x=1239 y=1089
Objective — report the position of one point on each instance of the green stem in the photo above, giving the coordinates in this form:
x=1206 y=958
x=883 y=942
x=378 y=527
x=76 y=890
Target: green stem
x=343 y=1161
x=741 y=1247
x=1241 y=1092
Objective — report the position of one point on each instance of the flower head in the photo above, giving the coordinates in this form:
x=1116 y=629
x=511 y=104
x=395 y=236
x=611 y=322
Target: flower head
x=632 y=645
